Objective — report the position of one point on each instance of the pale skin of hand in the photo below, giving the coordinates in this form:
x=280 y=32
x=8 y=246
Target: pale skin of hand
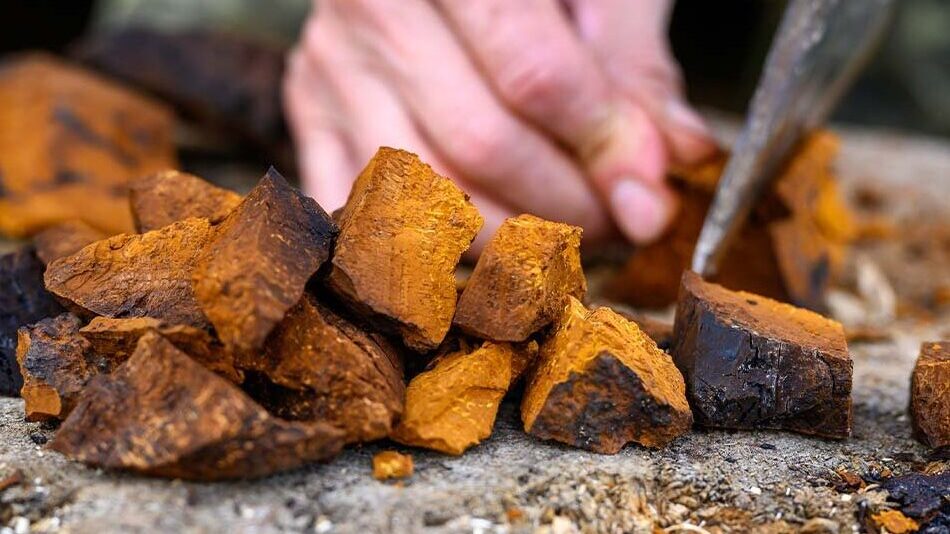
x=567 y=109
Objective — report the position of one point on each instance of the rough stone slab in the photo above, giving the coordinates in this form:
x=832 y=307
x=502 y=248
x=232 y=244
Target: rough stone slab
x=600 y=383
x=65 y=239
x=521 y=280
x=752 y=362
x=402 y=233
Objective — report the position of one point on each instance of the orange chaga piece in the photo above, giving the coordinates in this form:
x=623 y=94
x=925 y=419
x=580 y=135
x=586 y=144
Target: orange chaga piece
x=402 y=233
x=136 y=275
x=930 y=394
x=316 y=365
x=56 y=363
x=162 y=414
x=521 y=279
x=69 y=142
x=169 y=196
x=452 y=406
x=391 y=464
x=259 y=260
x=600 y=383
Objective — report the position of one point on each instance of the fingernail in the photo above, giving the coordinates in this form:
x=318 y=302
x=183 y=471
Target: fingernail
x=641 y=212
x=685 y=117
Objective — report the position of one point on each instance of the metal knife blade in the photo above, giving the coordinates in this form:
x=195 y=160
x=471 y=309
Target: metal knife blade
x=819 y=48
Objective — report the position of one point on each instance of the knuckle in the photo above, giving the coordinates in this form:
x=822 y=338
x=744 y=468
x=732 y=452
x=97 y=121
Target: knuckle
x=478 y=145
x=537 y=81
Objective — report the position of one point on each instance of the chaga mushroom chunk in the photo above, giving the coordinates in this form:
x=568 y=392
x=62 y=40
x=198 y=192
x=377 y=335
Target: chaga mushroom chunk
x=136 y=275
x=317 y=366
x=930 y=394
x=521 y=279
x=56 y=364
x=163 y=414
x=752 y=362
x=600 y=383
x=65 y=239
x=402 y=233
x=69 y=142
x=169 y=196
x=259 y=261
x=452 y=406
x=23 y=300
x=117 y=339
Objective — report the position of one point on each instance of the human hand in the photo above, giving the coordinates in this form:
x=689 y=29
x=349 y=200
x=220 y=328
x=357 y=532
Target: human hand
x=556 y=108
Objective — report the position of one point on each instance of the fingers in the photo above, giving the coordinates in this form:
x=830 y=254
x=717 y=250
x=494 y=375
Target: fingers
x=373 y=116
x=457 y=112
x=539 y=68
x=629 y=39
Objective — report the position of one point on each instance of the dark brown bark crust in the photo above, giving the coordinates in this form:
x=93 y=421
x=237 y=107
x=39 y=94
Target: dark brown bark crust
x=165 y=197
x=259 y=261
x=162 y=414
x=402 y=233
x=930 y=394
x=751 y=362
x=23 y=300
x=65 y=239
x=136 y=275
x=521 y=279
x=117 y=339
x=317 y=366
x=56 y=364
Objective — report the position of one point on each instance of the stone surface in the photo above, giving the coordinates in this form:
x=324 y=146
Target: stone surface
x=391 y=464
x=162 y=414
x=452 y=406
x=69 y=141
x=117 y=339
x=317 y=366
x=402 y=232
x=56 y=364
x=259 y=261
x=930 y=394
x=752 y=362
x=790 y=248
x=521 y=279
x=23 y=300
x=65 y=239
x=600 y=383
x=136 y=275
x=169 y=196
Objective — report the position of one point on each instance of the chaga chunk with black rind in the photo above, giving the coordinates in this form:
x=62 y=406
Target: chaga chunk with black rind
x=258 y=263
x=930 y=394
x=169 y=196
x=56 y=364
x=452 y=405
x=69 y=142
x=402 y=233
x=752 y=362
x=65 y=239
x=163 y=414
x=789 y=249
x=317 y=366
x=601 y=383
x=117 y=339
x=23 y=300
x=136 y=275
x=521 y=279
